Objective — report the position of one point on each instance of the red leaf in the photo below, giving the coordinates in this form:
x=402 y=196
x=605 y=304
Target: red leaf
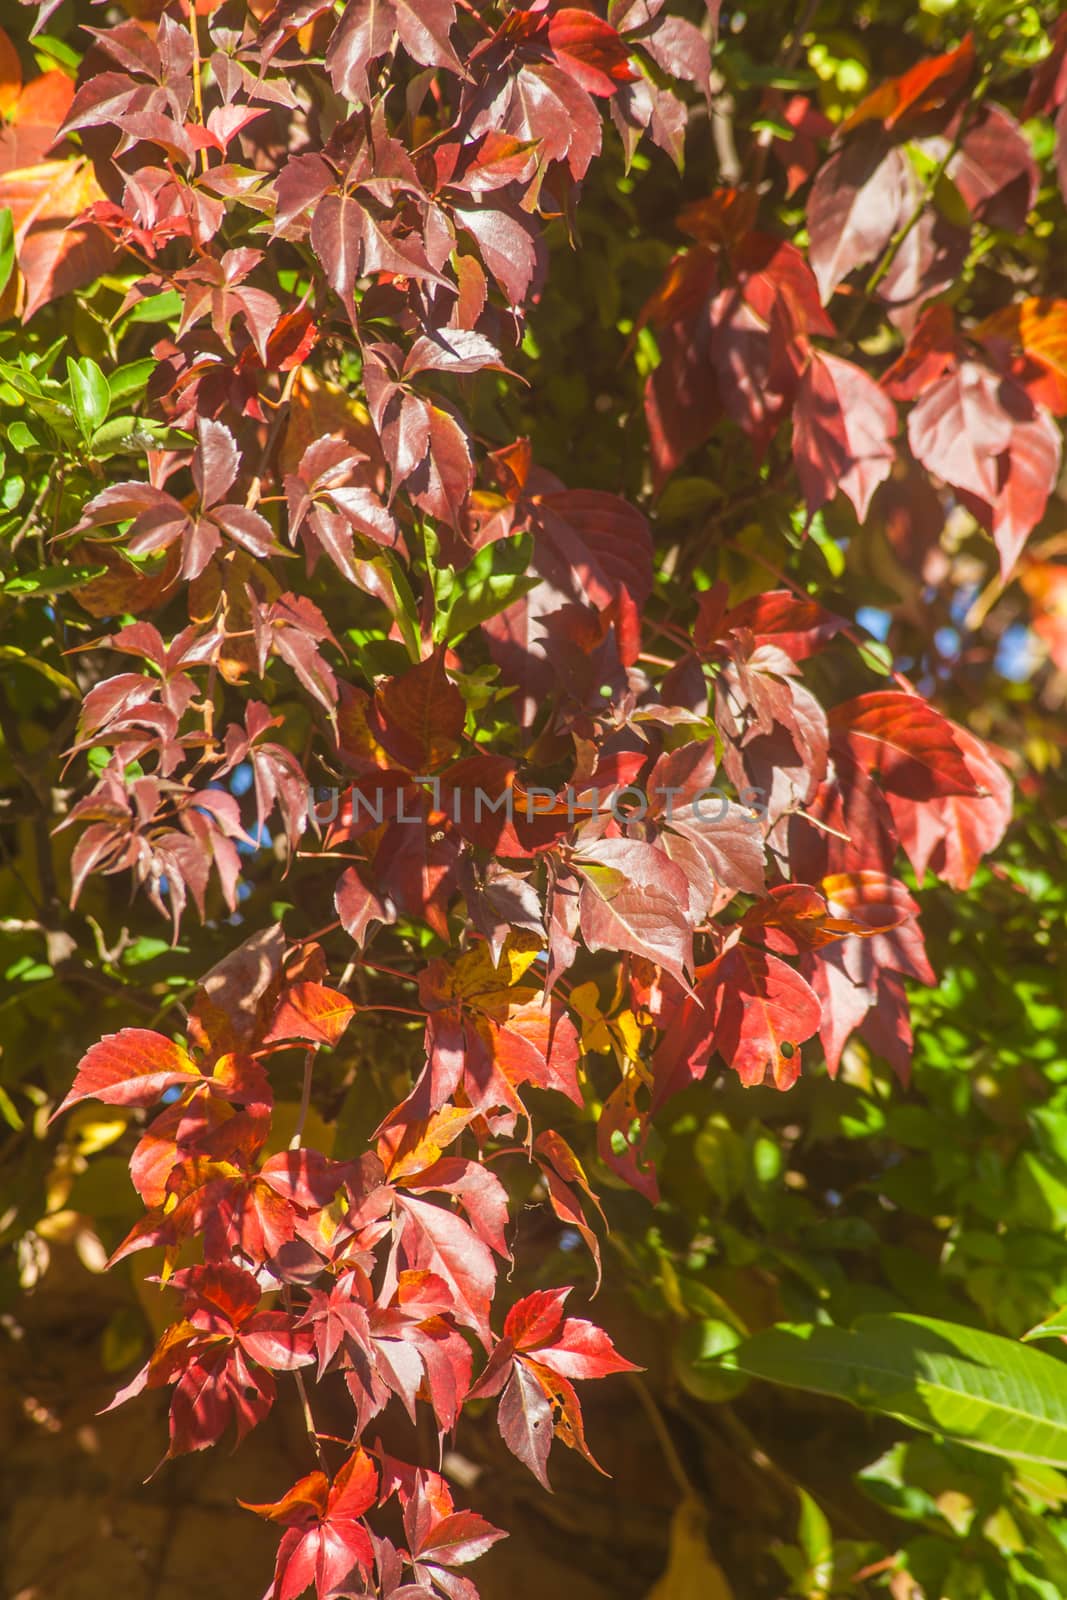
x=994 y=170
x=959 y=428
x=236 y=998
x=932 y=348
x=796 y=917
x=359 y=907
x=135 y=1067
x=438 y=1241
x=589 y=50
x=632 y=898
x=56 y=252
x=273 y=1341
x=524 y=1418
x=843 y=425
x=419 y=715
x=1029 y=473
x=535 y=1319
x=1029 y=339
x=542 y=103
x=905 y=743
x=567 y=1411
x=457 y=1539
x=763 y=1011
x=798 y=626
x=580 y=1350
x=950 y=834
x=854 y=208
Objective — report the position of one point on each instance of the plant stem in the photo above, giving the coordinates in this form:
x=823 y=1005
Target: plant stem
x=305 y=1100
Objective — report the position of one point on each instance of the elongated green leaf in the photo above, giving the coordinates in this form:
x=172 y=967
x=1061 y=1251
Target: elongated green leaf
x=90 y=394
x=7 y=247
x=45 y=669
x=130 y=380
x=51 y=580
x=993 y=1393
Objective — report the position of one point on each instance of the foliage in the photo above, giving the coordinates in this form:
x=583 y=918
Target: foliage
x=520 y=530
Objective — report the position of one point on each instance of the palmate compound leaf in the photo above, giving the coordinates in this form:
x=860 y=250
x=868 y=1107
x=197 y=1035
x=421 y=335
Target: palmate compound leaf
x=531 y=1368
x=750 y=1006
x=989 y=1392
x=325 y=1534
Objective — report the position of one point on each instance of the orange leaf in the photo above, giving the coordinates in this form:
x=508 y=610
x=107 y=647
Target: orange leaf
x=55 y=253
x=927 y=87
x=10 y=76
x=722 y=218
x=1036 y=329
x=310 y=1013
x=408 y=1148
x=566 y=1411
x=44 y=101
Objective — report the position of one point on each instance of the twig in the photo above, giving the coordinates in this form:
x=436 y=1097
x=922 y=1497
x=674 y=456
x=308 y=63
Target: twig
x=305 y=1403
x=670 y=1454
x=280 y=414
x=305 y=1101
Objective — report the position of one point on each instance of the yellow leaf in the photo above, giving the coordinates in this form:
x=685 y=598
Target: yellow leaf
x=475 y=976
x=93 y=1129
x=692 y=1571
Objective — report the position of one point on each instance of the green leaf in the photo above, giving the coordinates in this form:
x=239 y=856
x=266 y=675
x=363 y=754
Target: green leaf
x=157 y=307
x=21 y=438
x=876 y=656
x=47 y=405
x=9 y=1111
x=146 y=948
x=90 y=395
x=1054 y=1327
x=51 y=580
x=392 y=577
x=832 y=553
x=495 y=578
x=51 y=51
x=131 y=379
x=815 y=1538
x=11 y=652
x=130 y=435
x=993 y=1393
x=7 y=247
x=776 y=125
